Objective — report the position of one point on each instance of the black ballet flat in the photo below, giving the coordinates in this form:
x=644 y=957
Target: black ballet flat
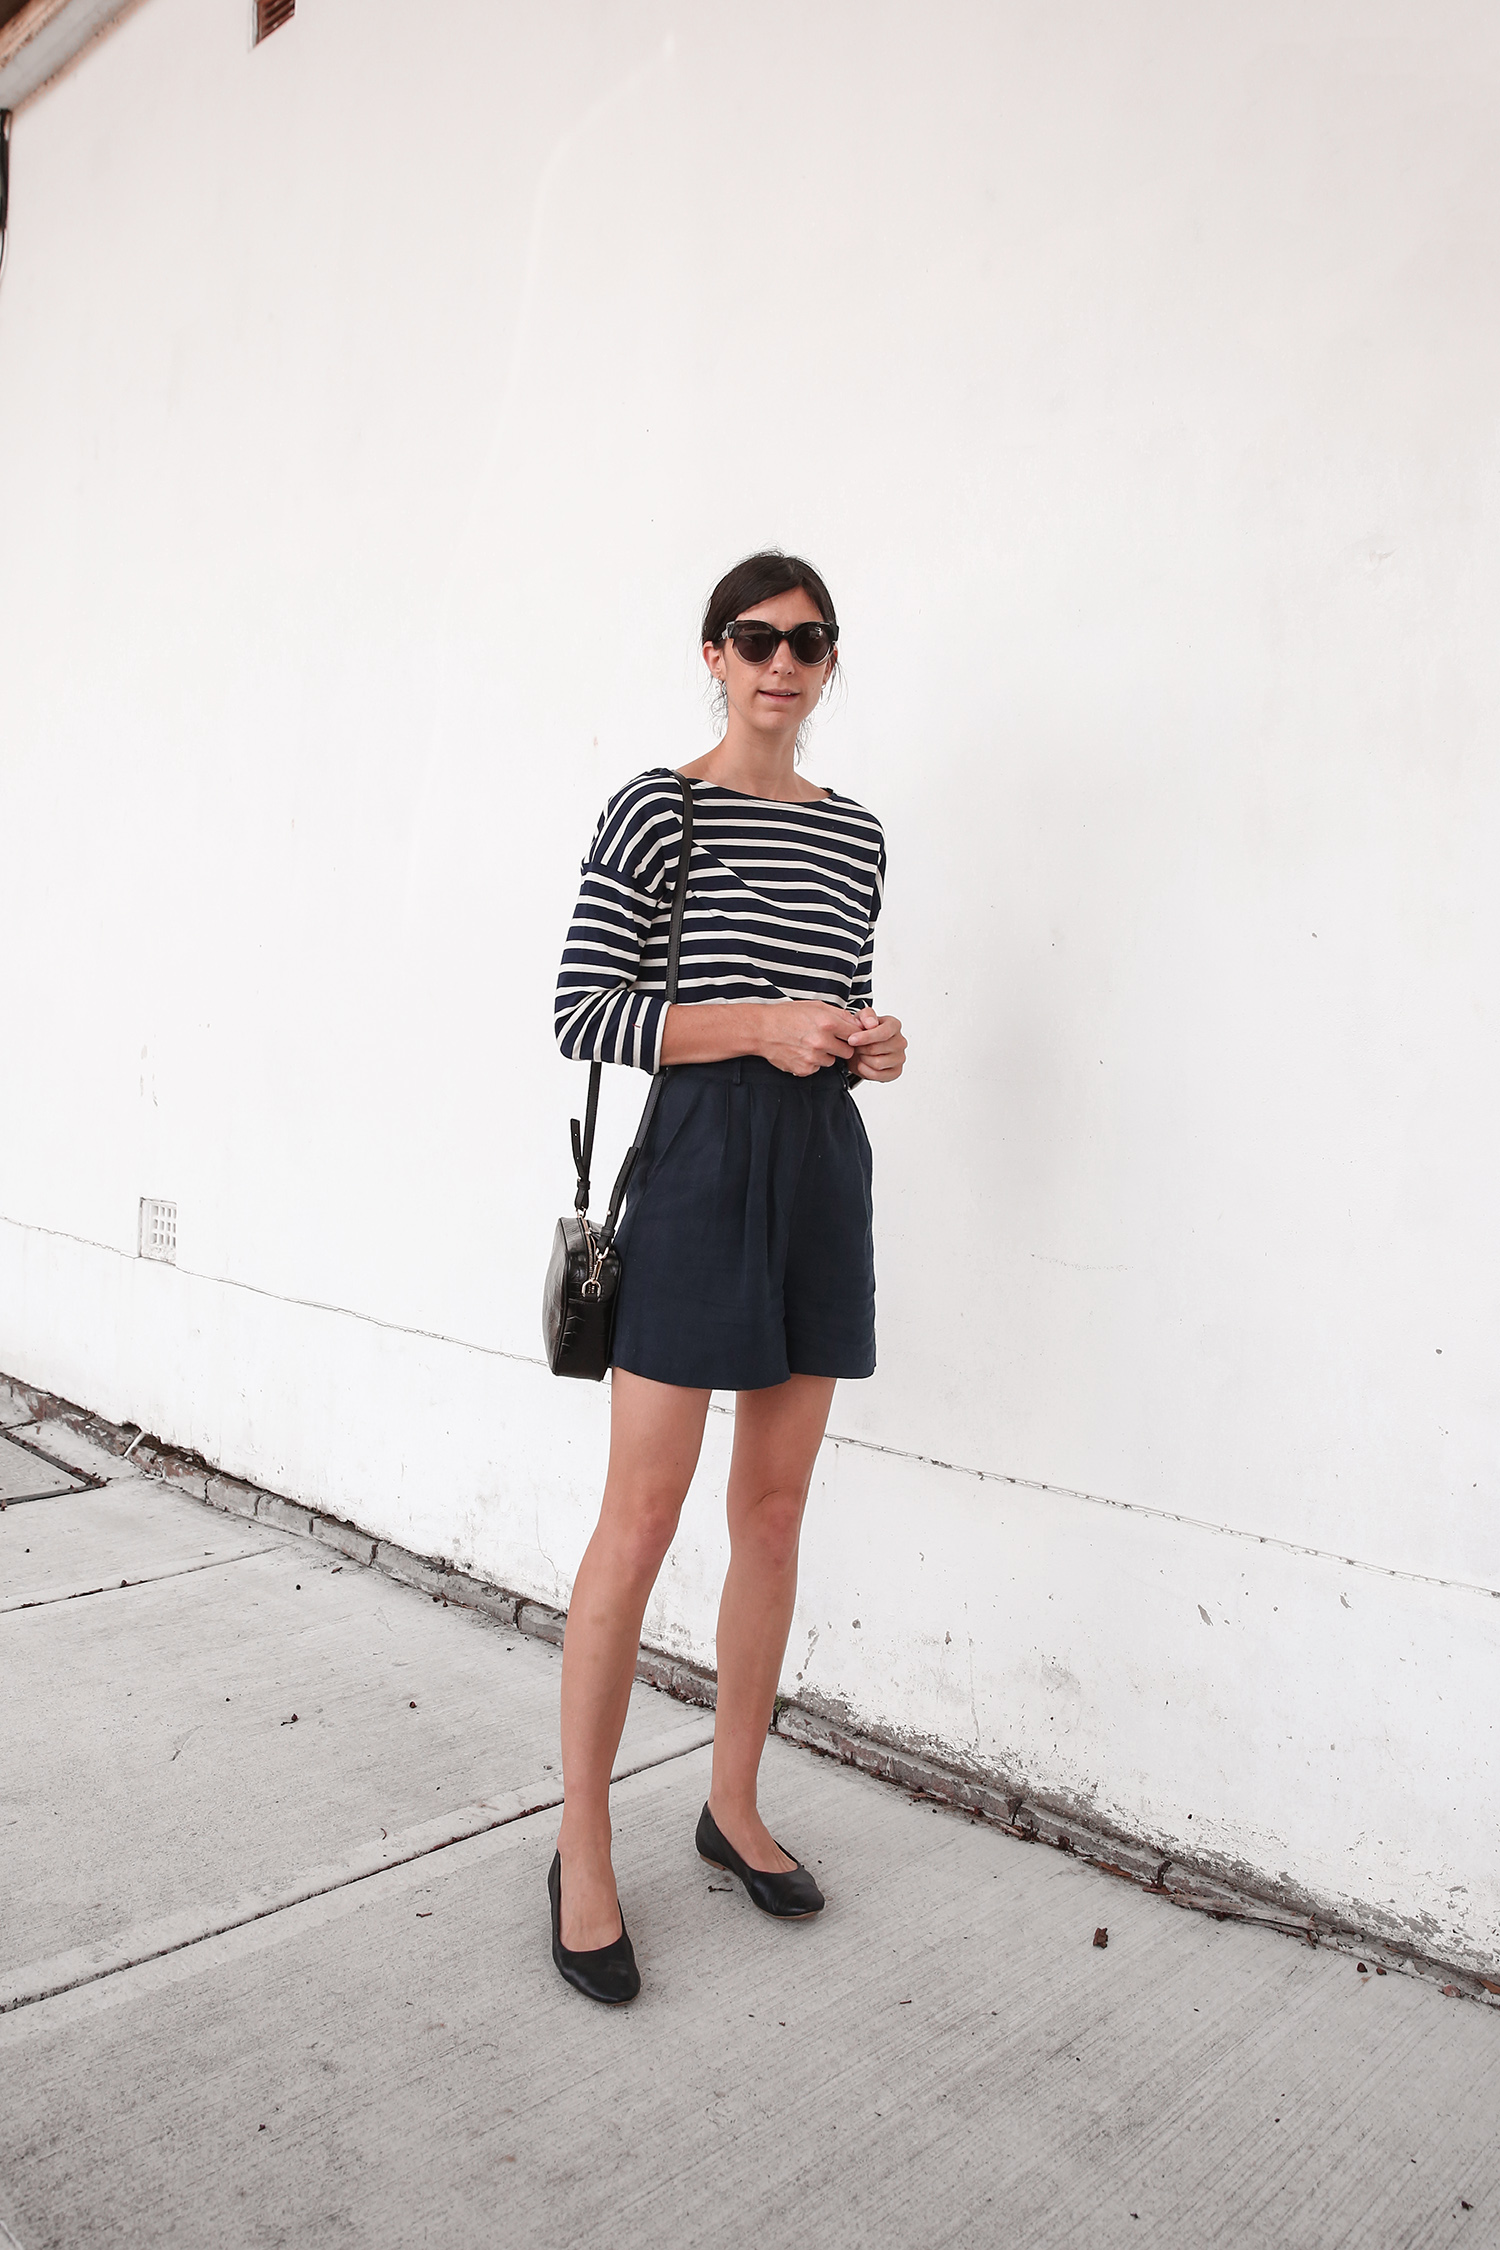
x=791 y=1896
x=608 y=1972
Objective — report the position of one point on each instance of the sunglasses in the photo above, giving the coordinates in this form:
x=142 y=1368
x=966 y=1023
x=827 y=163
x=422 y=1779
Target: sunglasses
x=756 y=642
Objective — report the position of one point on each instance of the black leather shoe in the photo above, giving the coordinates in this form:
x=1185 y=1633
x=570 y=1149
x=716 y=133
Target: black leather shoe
x=791 y=1896
x=609 y=1971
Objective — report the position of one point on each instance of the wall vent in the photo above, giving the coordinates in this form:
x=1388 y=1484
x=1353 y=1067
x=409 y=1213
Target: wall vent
x=270 y=15
x=159 y=1222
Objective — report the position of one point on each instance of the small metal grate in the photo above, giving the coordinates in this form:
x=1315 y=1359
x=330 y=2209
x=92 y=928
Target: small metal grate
x=270 y=15
x=158 y=1230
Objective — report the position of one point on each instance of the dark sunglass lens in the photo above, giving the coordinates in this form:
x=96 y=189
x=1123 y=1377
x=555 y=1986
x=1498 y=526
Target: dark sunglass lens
x=755 y=643
x=811 y=644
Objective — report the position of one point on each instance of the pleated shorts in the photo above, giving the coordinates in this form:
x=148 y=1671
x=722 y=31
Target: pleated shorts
x=747 y=1248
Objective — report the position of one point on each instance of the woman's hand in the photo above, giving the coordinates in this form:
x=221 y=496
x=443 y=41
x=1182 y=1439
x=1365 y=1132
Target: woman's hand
x=879 y=1049
x=802 y=1036
x=798 y=1036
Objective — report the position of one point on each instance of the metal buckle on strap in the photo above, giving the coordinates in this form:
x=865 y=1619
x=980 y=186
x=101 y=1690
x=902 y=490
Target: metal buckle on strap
x=596 y=1257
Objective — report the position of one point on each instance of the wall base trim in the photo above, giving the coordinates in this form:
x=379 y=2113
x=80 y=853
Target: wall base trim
x=806 y=1722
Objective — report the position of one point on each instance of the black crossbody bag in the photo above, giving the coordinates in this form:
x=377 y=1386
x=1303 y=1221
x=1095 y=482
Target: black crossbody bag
x=583 y=1277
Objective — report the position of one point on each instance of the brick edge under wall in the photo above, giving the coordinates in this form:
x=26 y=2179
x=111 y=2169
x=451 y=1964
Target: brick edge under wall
x=829 y=1733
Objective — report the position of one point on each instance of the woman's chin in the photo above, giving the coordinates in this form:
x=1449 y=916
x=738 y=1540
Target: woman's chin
x=770 y=714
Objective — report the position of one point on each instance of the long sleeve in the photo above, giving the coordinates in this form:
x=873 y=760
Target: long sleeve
x=862 y=988
x=600 y=1014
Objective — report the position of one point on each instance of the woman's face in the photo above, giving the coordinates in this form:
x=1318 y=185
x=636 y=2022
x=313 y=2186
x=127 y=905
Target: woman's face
x=770 y=697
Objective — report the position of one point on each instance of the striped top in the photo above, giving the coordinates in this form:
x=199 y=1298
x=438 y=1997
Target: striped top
x=781 y=905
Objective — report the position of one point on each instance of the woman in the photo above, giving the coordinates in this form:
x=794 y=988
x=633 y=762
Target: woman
x=746 y=1241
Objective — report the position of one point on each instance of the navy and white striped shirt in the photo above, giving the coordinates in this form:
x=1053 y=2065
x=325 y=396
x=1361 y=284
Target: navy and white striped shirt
x=781 y=905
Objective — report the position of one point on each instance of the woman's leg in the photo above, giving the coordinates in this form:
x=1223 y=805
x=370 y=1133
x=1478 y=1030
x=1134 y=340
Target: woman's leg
x=655 y=1433
x=776 y=1438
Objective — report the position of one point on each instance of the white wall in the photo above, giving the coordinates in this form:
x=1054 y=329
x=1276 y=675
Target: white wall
x=376 y=408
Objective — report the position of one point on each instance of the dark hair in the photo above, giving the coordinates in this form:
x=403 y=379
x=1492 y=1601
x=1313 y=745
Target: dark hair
x=756 y=580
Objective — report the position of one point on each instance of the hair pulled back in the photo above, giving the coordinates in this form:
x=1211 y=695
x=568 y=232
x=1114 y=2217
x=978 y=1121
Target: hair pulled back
x=757 y=579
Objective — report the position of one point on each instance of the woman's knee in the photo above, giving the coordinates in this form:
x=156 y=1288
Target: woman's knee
x=640 y=1528
x=771 y=1526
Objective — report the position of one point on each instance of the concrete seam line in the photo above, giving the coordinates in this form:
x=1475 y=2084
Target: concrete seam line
x=82 y=1477
x=466 y=1853
x=16 y=1603
x=37 y=1981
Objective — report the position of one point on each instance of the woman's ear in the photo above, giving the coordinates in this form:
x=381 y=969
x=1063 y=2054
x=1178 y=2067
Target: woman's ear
x=713 y=657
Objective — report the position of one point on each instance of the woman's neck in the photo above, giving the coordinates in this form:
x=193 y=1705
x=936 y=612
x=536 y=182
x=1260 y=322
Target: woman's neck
x=755 y=768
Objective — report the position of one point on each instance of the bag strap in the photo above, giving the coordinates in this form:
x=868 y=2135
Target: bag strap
x=583 y=1150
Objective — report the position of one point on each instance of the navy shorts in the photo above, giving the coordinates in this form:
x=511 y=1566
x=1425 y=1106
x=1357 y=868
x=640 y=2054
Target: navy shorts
x=746 y=1245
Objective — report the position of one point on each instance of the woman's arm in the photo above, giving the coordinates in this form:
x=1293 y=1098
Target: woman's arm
x=600 y=1014
x=799 y=1036
x=879 y=1047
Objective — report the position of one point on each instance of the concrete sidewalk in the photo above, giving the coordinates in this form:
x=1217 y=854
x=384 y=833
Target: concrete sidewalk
x=275 y=1968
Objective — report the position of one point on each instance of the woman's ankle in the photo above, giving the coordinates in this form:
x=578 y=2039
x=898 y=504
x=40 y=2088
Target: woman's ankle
x=732 y=1809
x=580 y=1841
